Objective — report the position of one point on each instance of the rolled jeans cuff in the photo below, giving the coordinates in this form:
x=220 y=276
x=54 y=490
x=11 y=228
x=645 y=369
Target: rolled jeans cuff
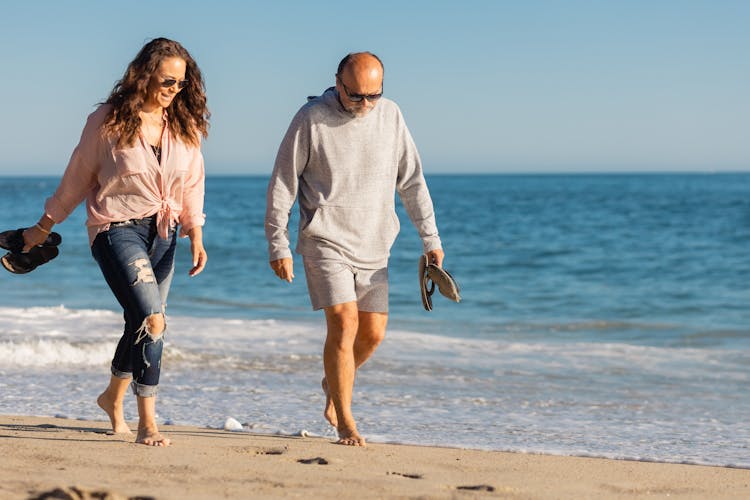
x=144 y=391
x=117 y=373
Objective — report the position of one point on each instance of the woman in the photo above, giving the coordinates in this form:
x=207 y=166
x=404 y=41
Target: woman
x=139 y=167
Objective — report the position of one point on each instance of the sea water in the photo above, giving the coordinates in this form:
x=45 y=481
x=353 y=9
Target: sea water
x=602 y=315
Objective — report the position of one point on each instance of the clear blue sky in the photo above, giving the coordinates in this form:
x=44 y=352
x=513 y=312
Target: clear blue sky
x=485 y=86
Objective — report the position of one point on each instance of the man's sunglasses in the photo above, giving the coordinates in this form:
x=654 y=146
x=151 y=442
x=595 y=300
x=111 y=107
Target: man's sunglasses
x=169 y=82
x=359 y=97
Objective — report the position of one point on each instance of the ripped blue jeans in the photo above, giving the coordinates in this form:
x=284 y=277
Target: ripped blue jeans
x=138 y=266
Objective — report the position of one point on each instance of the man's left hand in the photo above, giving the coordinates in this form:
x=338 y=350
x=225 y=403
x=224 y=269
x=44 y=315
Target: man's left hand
x=436 y=257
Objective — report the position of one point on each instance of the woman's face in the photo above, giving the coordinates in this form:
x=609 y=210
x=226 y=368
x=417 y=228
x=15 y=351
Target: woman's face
x=159 y=92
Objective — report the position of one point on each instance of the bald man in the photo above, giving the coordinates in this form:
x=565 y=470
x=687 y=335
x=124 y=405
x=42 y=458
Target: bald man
x=346 y=154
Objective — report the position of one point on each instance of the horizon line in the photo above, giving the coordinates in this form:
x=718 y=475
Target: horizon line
x=455 y=174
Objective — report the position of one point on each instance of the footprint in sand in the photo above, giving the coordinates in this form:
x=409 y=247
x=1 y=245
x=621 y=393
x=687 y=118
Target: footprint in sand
x=478 y=487
x=78 y=493
x=316 y=460
x=410 y=476
x=271 y=451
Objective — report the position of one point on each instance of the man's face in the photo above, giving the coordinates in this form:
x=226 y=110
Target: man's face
x=360 y=88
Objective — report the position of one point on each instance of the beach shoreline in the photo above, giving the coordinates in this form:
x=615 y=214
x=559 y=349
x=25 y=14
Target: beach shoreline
x=41 y=454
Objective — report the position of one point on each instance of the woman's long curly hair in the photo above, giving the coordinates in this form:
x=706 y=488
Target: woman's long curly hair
x=187 y=114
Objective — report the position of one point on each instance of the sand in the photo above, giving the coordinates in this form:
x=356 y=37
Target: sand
x=40 y=455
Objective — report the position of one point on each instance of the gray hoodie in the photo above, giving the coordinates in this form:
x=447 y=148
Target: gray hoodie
x=347 y=171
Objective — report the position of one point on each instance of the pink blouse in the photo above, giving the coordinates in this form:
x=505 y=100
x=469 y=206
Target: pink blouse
x=129 y=183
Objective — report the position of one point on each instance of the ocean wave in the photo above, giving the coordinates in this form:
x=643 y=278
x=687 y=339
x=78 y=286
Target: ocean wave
x=45 y=353
x=62 y=336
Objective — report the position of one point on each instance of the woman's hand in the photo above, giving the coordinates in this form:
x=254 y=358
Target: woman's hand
x=37 y=234
x=200 y=257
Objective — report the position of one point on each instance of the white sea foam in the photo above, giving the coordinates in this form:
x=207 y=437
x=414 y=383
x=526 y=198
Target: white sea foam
x=45 y=353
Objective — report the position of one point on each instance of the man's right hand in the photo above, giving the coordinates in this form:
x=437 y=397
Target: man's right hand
x=284 y=268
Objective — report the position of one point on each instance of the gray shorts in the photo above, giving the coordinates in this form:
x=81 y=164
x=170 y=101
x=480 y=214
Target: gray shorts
x=332 y=282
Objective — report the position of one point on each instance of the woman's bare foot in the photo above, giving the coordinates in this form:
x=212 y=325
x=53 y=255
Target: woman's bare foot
x=150 y=436
x=113 y=408
x=330 y=412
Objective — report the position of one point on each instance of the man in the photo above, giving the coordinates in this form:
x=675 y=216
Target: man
x=346 y=153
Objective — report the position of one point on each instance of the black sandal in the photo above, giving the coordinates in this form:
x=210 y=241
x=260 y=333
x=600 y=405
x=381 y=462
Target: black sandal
x=17 y=262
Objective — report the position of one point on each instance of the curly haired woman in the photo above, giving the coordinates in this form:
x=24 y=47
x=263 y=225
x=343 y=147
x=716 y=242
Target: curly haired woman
x=140 y=169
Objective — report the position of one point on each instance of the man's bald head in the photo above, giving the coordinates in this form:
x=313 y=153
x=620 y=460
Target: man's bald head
x=359 y=60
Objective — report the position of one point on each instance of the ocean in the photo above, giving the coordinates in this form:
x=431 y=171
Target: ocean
x=603 y=315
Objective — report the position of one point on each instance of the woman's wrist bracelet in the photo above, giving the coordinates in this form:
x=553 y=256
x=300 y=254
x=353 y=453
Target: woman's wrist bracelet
x=39 y=227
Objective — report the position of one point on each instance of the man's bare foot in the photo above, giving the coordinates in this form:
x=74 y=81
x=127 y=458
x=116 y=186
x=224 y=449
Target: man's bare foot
x=349 y=436
x=330 y=412
x=114 y=410
x=351 y=439
x=150 y=436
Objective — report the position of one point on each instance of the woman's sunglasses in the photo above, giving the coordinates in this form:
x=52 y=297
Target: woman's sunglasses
x=169 y=82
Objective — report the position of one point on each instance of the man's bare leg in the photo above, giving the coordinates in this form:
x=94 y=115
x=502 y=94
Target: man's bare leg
x=330 y=411
x=338 y=361
x=370 y=334
x=341 y=353
x=111 y=402
x=148 y=432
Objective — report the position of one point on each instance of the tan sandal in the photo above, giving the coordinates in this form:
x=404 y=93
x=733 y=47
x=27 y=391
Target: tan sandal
x=431 y=275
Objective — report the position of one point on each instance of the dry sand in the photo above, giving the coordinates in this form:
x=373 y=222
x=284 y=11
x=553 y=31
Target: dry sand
x=39 y=455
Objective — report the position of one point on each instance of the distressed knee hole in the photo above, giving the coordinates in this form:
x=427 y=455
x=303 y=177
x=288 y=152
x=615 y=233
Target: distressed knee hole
x=155 y=325
x=144 y=273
